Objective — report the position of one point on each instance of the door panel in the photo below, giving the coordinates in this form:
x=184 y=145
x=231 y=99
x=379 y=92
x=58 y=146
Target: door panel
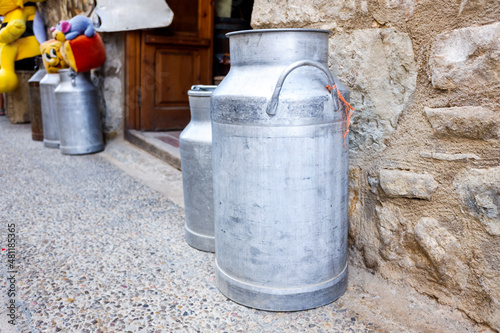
x=172 y=64
x=175 y=72
x=172 y=59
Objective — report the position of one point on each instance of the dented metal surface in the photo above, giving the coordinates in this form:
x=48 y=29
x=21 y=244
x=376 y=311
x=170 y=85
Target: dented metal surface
x=110 y=15
x=78 y=116
x=280 y=173
x=48 y=85
x=195 y=143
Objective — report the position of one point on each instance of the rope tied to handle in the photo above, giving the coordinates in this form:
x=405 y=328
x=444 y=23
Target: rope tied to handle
x=347 y=107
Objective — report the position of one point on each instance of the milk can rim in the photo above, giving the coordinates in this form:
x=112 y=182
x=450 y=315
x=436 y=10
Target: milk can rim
x=240 y=32
x=201 y=90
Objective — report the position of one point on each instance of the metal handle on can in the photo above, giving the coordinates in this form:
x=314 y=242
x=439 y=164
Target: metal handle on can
x=73 y=75
x=273 y=103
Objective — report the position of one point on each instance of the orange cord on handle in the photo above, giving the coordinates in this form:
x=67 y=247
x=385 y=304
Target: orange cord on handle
x=348 y=109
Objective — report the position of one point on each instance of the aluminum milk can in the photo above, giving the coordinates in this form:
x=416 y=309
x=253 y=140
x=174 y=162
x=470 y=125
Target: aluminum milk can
x=35 y=102
x=48 y=85
x=280 y=173
x=78 y=114
x=195 y=144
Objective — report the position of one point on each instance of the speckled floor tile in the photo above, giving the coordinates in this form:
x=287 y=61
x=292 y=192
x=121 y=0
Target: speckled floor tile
x=99 y=251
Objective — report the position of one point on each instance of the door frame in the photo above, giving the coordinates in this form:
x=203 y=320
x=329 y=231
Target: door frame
x=132 y=80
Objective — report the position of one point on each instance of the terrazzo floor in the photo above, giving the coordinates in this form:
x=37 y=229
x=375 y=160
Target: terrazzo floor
x=99 y=251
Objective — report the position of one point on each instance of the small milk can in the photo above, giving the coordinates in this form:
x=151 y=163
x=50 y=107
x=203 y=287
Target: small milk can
x=195 y=144
x=48 y=85
x=78 y=115
x=280 y=166
x=35 y=102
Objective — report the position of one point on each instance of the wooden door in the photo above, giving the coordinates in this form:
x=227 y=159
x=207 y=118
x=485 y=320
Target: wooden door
x=163 y=64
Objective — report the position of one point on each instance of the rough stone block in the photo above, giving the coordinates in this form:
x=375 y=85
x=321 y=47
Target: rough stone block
x=467 y=57
x=55 y=11
x=355 y=207
x=444 y=251
x=378 y=67
x=449 y=157
x=479 y=191
x=299 y=13
x=399 y=183
x=390 y=222
x=472 y=122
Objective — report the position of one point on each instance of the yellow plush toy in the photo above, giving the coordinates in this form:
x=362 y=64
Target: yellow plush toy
x=17 y=39
x=51 y=55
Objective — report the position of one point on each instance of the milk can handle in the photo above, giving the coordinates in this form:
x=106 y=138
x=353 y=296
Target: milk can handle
x=73 y=75
x=273 y=103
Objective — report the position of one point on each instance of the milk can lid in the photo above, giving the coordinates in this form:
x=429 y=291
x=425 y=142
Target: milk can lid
x=281 y=30
x=201 y=90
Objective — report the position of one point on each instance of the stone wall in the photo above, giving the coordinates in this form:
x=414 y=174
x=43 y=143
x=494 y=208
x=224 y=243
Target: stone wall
x=109 y=78
x=424 y=181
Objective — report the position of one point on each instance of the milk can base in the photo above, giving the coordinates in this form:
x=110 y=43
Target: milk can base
x=275 y=299
x=51 y=143
x=199 y=241
x=82 y=150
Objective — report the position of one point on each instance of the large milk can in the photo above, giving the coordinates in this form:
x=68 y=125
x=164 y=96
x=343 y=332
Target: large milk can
x=280 y=167
x=195 y=144
x=48 y=85
x=78 y=114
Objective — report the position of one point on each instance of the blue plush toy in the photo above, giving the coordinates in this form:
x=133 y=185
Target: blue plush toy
x=69 y=30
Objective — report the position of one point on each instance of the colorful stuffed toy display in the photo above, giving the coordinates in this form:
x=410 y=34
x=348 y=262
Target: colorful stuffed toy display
x=18 y=43
x=52 y=57
x=69 y=30
x=82 y=48
x=84 y=53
